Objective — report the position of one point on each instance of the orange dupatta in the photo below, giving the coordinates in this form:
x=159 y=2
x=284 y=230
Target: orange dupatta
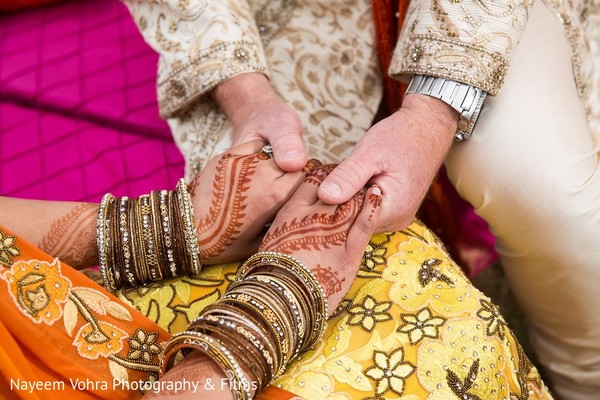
x=64 y=336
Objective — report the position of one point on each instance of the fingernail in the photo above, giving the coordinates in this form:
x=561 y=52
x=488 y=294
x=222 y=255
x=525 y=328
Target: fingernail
x=293 y=155
x=332 y=189
x=376 y=190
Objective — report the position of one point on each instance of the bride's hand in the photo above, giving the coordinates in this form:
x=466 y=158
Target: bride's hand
x=329 y=239
x=235 y=196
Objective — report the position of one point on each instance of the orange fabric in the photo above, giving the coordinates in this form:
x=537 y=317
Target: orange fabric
x=51 y=329
x=435 y=211
x=40 y=340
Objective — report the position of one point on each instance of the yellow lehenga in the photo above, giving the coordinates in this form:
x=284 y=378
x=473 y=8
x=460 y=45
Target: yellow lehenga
x=411 y=327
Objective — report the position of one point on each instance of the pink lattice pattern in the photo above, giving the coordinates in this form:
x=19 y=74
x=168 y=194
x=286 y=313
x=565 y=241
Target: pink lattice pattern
x=78 y=112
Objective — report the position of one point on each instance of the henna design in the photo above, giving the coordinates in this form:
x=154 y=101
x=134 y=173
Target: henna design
x=311 y=166
x=231 y=182
x=328 y=279
x=193 y=186
x=72 y=238
x=319 y=174
x=375 y=201
x=314 y=232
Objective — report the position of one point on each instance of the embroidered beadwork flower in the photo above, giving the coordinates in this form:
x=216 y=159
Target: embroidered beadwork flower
x=499 y=71
x=100 y=339
x=421 y=325
x=8 y=250
x=369 y=313
x=143 y=346
x=374 y=257
x=38 y=289
x=241 y=54
x=390 y=371
x=491 y=313
x=416 y=53
x=430 y=272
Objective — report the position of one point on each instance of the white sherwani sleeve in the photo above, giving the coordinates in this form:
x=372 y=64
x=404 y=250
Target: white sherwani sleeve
x=201 y=43
x=469 y=41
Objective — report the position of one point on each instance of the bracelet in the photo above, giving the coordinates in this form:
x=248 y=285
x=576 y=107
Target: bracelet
x=292 y=267
x=103 y=241
x=147 y=239
x=190 y=231
x=190 y=340
x=274 y=309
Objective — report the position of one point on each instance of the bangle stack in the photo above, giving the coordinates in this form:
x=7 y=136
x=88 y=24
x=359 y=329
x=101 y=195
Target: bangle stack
x=147 y=239
x=274 y=310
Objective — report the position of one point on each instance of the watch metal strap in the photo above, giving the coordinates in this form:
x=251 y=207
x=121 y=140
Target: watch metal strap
x=464 y=98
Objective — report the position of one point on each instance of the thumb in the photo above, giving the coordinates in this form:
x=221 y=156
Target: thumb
x=288 y=150
x=345 y=180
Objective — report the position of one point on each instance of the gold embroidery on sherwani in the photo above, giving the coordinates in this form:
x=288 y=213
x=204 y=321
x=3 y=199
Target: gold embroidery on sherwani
x=468 y=42
x=320 y=56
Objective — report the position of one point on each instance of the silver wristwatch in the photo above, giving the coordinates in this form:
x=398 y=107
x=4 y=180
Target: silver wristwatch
x=465 y=99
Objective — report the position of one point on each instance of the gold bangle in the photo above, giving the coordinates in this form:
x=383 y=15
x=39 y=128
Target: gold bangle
x=260 y=337
x=293 y=305
x=292 y=266
x=125 y=234
x=103 y=241
x=148 y=243
x=305 y=306
x=223 y=329
x=189 y=228
x=137 y=242
x=190 y=340
x=257 y=313
x=276 y=304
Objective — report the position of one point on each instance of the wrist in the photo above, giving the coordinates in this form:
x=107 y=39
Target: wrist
x=241 y=94
x=464 y=98
x=438 y=114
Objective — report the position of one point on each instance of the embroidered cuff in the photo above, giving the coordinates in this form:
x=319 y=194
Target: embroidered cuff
x=214 y=65
x=462 y=62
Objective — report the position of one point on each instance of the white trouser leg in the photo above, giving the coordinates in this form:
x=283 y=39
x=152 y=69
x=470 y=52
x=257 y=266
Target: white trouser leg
x=531 y=170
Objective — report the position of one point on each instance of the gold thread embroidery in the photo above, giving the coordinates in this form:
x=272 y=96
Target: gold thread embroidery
x=38 y=289
x=8 y=249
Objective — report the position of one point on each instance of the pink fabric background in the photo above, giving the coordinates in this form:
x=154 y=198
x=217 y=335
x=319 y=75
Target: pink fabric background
x=78 y=111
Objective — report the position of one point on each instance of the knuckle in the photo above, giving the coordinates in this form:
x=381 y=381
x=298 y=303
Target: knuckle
x=365 y=225
x=276 y=197
x=281 y=139
x=319 y=174
x=350 y=171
